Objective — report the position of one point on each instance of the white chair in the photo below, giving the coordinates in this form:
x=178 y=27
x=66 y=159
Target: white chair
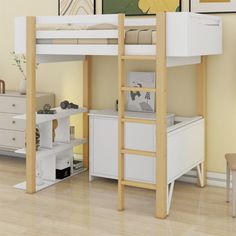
x=231 y=167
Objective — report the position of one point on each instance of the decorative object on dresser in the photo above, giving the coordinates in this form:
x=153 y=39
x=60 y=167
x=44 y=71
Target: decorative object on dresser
x=68 y=105
x=54 y=127
x=72 y=132
x=12 y=131
x=212 y=6
x=2 y=86
x=37 y=139
x=47 y=110
x=20 y=63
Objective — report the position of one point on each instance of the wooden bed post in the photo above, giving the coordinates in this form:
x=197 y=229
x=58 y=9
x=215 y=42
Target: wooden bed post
x=30 y=105
x=161 y=112
x=202 y=107
x=86 y=103
x=121 y=112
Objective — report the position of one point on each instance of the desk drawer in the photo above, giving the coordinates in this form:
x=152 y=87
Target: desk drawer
x=14 y=139
x=12 y=105
x=140 y=137
x=9 y=123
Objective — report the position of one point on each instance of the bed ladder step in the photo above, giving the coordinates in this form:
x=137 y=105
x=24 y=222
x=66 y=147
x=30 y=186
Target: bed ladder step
x=139 y=184
x=138 y=152
x=135 y=89
x=140 y=121
x=139 y=58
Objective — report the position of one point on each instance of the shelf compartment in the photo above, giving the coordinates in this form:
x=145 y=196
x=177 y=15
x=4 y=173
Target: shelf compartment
x=57 y=148
x=41 y=118
x=49 y=183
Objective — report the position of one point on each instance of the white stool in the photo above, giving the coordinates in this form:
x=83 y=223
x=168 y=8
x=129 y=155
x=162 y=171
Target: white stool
x=231 y=167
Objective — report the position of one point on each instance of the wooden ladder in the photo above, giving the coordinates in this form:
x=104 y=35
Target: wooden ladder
x=161 y=112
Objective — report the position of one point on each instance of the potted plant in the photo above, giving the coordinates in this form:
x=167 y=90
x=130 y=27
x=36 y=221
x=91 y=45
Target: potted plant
x=20 y=62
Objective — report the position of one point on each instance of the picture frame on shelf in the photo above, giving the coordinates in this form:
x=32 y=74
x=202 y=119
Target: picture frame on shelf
x=212 y=6
x=140 y=7
x=76 y=7
x=141 y=101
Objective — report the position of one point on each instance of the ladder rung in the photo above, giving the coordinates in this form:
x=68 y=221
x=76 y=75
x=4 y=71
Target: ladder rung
x=139 y=184
x=144 y=58
x=135 y=89
x=141 y=121
x=138 y=152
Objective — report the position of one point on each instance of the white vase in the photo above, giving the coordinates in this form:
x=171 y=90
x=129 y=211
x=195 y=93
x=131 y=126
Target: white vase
x=22 y=87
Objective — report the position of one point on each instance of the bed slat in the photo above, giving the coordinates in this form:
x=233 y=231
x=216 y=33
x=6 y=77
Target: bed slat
x=77 y=34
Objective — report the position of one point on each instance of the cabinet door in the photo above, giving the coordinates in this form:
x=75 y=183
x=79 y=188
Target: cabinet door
x=140 y=137
x=140 y=168
x=104 y=141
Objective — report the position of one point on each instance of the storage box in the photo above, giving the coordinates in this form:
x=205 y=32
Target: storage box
x=63 y=167
x=62 y=174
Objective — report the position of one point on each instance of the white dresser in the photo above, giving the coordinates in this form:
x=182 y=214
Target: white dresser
x=12 y=131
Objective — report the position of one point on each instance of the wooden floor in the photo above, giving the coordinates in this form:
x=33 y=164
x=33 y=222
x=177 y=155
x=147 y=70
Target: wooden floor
x=77 y=207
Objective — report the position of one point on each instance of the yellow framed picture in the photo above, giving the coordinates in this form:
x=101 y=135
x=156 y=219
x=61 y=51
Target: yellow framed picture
x=212 y=6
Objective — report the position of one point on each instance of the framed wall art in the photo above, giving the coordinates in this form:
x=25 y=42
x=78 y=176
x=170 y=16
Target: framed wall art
x=76 y=7
x=140 y=7
x=212 y=6
x=141 y=101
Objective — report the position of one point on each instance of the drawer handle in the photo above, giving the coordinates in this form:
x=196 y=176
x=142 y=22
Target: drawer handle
x=13 y=139
x=13 y=105
x=13 y=122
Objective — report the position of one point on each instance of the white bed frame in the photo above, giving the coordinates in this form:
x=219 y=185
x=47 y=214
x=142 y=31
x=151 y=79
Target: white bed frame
x=183 y=39
x=189 y=36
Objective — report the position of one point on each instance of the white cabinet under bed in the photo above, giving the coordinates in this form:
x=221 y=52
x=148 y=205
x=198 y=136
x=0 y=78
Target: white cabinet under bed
x=185 y=146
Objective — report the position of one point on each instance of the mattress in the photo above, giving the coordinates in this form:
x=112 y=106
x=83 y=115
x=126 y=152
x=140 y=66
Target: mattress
x=132 y=36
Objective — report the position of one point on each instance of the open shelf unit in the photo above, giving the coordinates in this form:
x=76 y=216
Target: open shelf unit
x=51 y=151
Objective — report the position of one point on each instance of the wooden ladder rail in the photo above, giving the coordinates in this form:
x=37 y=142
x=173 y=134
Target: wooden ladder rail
x=30 y=104
x=161 y=108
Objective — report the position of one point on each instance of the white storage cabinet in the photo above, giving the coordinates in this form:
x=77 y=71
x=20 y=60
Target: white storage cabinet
x=185 y=147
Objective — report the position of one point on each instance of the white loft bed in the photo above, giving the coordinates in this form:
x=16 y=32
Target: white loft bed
x=189 y=36
x=185 y=36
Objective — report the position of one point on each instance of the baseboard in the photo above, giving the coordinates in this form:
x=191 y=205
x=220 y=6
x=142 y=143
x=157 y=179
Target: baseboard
x=213 y=178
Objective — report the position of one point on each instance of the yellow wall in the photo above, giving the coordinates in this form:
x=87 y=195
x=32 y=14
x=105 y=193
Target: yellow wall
x=65 y=79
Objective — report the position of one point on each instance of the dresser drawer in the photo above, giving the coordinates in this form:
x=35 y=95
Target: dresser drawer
x=8 y=122
x=12 y=105
x=14 y=139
